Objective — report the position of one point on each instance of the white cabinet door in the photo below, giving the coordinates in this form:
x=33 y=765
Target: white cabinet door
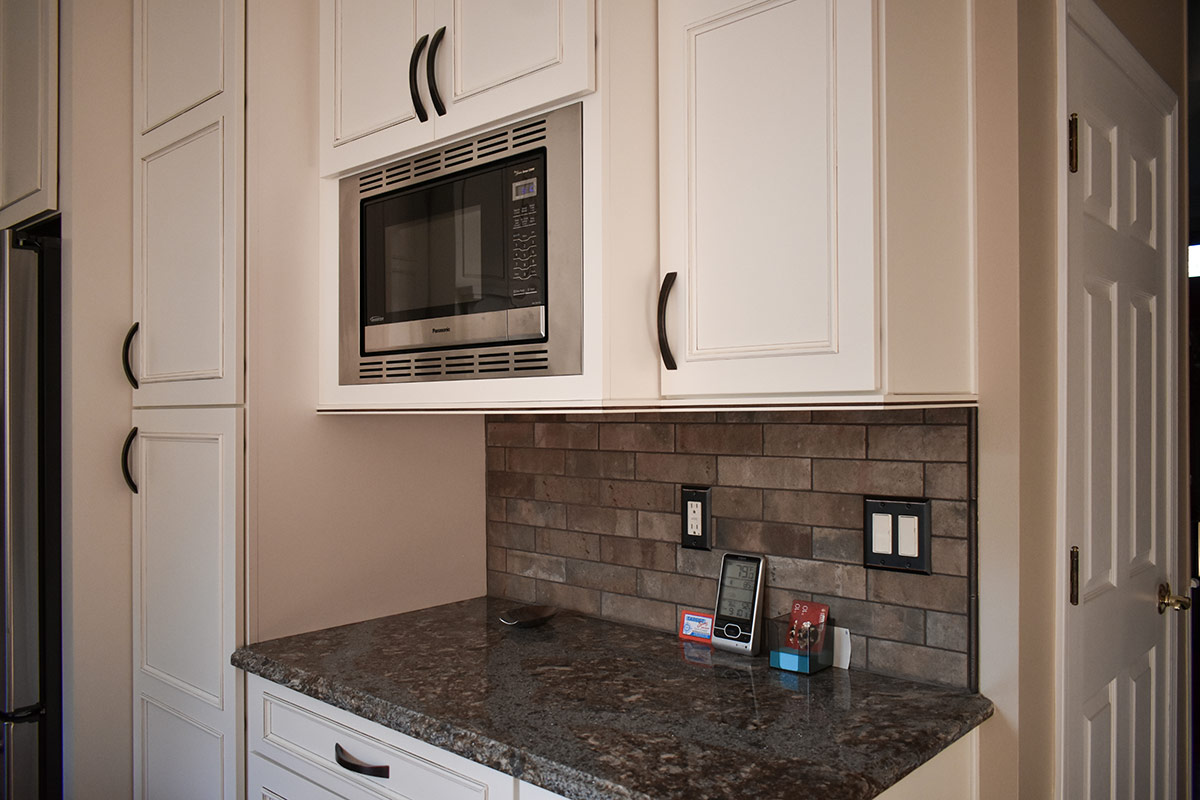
x=28 y=109
x=188 y=203
x=500 y=58
x=768 y=199
x=367 y=107
x=266 y=780
x=186 y=465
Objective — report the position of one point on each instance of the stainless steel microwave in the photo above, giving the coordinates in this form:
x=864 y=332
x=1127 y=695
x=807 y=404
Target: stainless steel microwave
x=466 y=262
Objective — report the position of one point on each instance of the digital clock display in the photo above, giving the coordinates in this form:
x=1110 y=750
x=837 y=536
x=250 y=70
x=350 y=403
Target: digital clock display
x=739 y=587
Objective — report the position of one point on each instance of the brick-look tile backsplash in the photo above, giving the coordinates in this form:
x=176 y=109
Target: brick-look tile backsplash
x=583 y=513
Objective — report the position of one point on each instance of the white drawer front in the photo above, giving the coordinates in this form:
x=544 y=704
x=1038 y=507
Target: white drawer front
x=314 y=738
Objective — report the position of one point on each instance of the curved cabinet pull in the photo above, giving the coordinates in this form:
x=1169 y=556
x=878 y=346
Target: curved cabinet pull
x=129 y=376
x=412 y=78
x=351 y=763
x=664 y=347
x=133 y=487
x=434 y=95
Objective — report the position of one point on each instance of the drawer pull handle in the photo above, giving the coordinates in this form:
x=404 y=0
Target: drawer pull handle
x=354 y=765
x=418 y=106
x=430 y=77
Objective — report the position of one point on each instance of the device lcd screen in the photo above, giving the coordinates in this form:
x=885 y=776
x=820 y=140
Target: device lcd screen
x=739 y=587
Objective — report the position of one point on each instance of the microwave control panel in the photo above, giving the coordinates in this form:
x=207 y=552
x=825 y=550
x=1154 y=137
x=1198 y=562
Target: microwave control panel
x=526 y=220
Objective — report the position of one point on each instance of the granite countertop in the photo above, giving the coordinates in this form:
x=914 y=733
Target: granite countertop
x=593 y=709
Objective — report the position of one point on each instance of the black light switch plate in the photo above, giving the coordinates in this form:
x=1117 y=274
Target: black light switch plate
x=897 y=534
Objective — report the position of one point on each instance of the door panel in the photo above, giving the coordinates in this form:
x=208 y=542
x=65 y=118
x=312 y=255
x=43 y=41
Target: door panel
x=1120 y=431
x=28 y=109
x=182 y=57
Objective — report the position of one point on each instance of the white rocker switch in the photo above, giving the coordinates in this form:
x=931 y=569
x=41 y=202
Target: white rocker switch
x=906 y=537
x=881 y=533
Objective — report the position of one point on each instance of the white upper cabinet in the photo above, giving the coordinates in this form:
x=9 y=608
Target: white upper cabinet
x=28 y=109
x=399 y=75
x=188 y=167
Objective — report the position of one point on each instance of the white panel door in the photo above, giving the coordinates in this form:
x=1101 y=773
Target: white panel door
x=28 y=109
x=367 y=103
x=180 y=58
x=186 y=465
x=1120 y=447
x=266 y=780
x=768 y=196
x=500 y=58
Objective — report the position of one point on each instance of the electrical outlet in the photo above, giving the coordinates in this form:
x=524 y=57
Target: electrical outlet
x=696 y=517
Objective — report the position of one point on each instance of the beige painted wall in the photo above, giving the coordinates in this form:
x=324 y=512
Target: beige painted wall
x=349 y=517
x=96 y=199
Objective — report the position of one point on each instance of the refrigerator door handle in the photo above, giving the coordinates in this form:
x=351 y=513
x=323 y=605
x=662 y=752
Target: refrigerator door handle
x=26 y=714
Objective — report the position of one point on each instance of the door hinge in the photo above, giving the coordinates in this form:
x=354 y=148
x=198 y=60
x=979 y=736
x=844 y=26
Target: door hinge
x=1073 y=143
x=1074 y=576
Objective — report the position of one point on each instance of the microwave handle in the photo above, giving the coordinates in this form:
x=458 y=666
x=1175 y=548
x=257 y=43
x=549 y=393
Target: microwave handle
x=412 y=78
x=430 y=77
x=664 y=347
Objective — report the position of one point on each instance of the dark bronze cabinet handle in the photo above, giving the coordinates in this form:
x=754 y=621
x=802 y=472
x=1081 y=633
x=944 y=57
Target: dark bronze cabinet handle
x=133 y=487
x=129 y=376
x=434 y=95
x=351 y=763
x=664 y=347
x=412 y=78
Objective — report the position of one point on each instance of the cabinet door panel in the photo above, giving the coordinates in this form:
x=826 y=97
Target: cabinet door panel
x=187 y=568
x=181 y=57
x=768 y=196
x=28 y=109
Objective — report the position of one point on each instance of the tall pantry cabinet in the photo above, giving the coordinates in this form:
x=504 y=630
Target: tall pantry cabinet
x=184 y=457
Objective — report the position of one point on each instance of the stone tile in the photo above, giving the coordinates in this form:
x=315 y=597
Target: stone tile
x=837 y=544
x=570 y=544
x=532 y=459
x=918 y=663
x=946 y=481
x=931 y=592
x=858 y=651
x=639 y=495
x=560 y=489
x=818 y=577
x=564 y=595
x=949 y=556
x=599 y=464
x=815 y=441
x=947 y=416
x=778 y=602
x=606 y=577
x=675 y=588
x=704 y=563
x=538 y=513
x=819 y=509
x=789 y=417
x=676 y=416
x=674 y=468
x=947 y=631
x=658 y=525
x=536 y=565
x=737 y=503
x=894 y=478
x=566 y=435
x=638 y=611
x=530 y=417
x=771 y=538
x=598 y=519
x=507 y=534
x=871 y=416
x=509 y=484
x=876 y=620
x=764 y=472
x=602 y=417
x=495 y=508
x=641 y=553
x=917 y=442
x=726 y=439
x=949 y=518
x=510 y=434
x=512 y=587
x=497 y=558
x=646 y=437
x=494 y=459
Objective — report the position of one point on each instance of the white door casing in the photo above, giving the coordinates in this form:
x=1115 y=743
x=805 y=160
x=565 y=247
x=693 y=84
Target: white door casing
x=1118 y=431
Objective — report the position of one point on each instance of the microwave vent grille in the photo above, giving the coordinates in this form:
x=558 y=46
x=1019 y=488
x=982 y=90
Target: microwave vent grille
x=491 y=363
x=452 y=157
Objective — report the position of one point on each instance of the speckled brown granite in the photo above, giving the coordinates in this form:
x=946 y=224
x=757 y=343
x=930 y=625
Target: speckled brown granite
x=593 y=709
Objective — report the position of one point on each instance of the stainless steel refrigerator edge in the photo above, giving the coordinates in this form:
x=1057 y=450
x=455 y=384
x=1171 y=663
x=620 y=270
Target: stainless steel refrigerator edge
x=30 y=692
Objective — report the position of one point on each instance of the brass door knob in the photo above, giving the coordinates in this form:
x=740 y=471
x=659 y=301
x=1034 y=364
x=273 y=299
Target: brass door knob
x=1167 y=600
